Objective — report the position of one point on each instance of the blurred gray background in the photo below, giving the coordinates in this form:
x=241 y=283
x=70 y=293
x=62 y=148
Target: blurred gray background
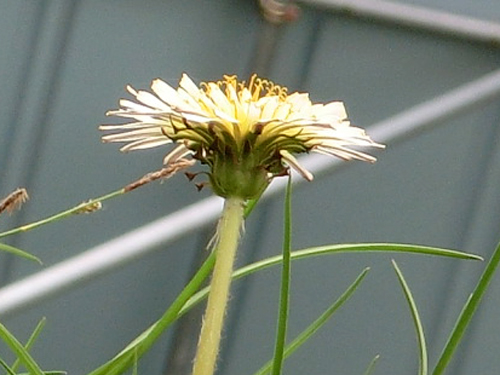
x=64 y=63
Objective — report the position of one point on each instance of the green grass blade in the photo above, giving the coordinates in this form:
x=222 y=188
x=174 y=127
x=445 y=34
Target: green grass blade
x=285 y=283
x=125 y=359
x=135 y=370
x=9 y=370
x=19 y=252
x=31 y=340
x=354 y=248
x=386 y=248
x=423 y=359
x=20 y=351
x=372 y=364
x=467 y=313
x=305 y=335
x=335 y=249
x=60 y=215
x=36 y=332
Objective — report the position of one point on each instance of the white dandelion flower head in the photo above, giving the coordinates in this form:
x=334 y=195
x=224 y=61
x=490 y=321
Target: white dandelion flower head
x=246 y=132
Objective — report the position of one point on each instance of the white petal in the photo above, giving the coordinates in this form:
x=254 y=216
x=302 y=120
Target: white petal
x=188 y=101
x=254 y=114
x=344 y=153
x=145 y=143
x=225 y=116
x=166 y=93
x=333 y=109
x=134 y=135
x=299 y=101
x=220 y=99
x=132 y=125
x=292 y=162
x=152 y=101
x=198 y=118
x=131 y=90
x=269 y=107
x=282 y=111
x=240 y=108
x=128 y=104
x=189 y=86
x=177 y=153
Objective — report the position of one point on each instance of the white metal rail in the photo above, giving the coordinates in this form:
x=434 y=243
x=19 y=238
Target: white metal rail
x=118 y=252
x=414 y=16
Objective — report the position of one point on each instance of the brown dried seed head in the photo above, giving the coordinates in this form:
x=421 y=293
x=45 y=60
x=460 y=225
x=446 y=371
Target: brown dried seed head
x=14 y=200
x=166 y=172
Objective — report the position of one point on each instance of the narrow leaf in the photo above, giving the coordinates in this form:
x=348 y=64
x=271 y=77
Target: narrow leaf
x=31 y=340
x=305 y=335
x=372 y=364
x=135 y=367
x=467 y=313
x=20 y=351
x=9 y=370
x=423 y=360
x=385 y=248
x=335 y=249
x=285 y=283
x=18 y=252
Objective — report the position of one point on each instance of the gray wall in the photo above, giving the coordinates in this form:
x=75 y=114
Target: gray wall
x=64 y=63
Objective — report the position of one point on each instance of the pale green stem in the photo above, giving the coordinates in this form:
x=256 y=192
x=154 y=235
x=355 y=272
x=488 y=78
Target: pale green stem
x=228 y=235
x=61 y=215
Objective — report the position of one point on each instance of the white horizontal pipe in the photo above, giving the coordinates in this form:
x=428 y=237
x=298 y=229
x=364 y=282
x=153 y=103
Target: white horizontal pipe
x=429 y=113
x=408 y=15
x=132 y=245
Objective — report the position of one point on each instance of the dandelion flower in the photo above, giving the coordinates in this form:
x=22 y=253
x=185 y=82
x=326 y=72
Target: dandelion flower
x=245 y=132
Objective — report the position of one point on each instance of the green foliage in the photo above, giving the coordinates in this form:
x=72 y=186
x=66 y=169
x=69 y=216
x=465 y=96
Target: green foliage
x=467 y=313
x=7 y=368
x=19 y=252
x=422 y=353
x=285 y=283
x=371 y=366
x=20 y=351
x=33 y=337
x=306 y=334
x=330 y=250
x=191 y=295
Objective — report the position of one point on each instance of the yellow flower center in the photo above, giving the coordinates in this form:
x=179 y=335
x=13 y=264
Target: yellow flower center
x=258 y=87
x=242 y=160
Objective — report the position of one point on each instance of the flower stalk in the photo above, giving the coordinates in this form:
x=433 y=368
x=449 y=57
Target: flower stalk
x=228 y=235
